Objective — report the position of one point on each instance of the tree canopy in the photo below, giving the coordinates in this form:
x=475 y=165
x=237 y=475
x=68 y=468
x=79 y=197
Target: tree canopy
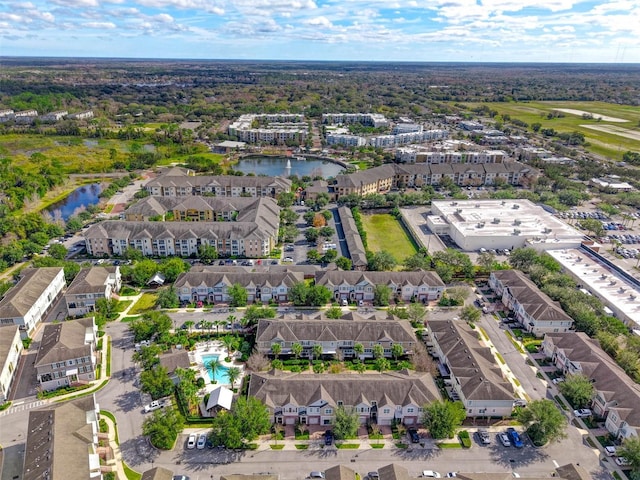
x=443 y=417
x=544 y=421
x=247 y=419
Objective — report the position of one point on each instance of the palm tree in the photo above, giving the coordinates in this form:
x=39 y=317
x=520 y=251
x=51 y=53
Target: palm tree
x=296 y=349
x=276 y=349
x=214 y=365
x=233 y=373
x=189 y=324
x=229 y=343
x=231 y=319
x=218 y=324
x=317 y=351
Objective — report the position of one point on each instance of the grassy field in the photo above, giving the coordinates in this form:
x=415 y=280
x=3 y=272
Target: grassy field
x=385 y=233
x=146 y=302
x=612 y=142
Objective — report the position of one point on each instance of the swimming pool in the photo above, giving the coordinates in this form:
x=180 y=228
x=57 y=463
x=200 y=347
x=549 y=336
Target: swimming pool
x=221 y=371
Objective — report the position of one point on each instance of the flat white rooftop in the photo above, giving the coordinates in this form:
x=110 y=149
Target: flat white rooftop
x=488 y=218
x=616 y=292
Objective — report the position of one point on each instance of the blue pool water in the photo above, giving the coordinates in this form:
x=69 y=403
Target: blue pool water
x=221 y=372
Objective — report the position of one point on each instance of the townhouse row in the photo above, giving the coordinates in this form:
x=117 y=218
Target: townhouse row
x=385 y=177
x=212 y=284
x=178 y=182
x=416 y=155
x=30 y=116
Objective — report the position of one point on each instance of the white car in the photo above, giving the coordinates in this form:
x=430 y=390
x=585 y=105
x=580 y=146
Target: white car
x=610 y=450
x=583 y=412
x=623 y=462
x=191 y=442
x=558 y=380
x=155 y=405
x=504 y=439
x=431 y=474
x=202 y=441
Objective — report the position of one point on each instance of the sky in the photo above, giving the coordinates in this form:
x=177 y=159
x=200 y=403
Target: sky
x=562 y=31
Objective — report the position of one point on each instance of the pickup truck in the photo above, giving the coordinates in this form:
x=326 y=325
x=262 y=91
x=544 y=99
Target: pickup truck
x=155 y=405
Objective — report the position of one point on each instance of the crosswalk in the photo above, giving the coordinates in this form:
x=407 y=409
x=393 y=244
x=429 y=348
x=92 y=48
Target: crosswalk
x=21 y=407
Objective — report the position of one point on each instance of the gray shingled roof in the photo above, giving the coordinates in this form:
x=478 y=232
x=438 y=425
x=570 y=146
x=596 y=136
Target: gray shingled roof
x=178 y=177
x=401 y=388
x=64 y=341
x=356 y=248
x=472 y=364
x=58 y=434
x=157 y=473
x=33 y=282
x=536 y=304
x=208 y=278
x=7 y=335
x=379 y=278
x=393 y=472
x=339 y=472
x=90 y=280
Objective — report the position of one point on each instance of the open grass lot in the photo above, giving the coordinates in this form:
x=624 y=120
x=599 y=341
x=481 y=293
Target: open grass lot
x=146 y=302
x=607 y=138
x=385 y=233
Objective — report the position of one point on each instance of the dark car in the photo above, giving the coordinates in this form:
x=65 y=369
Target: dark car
x=413 y=435
x=515 y=438
x=328 y=437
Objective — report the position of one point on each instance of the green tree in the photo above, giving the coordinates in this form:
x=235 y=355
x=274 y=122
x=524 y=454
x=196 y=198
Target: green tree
x=346 y=423
x=578 y=389
x=470 y=314
x=317 y=351
x=358 y=348
x=417 y=261
x=543 y=420
x=276 y=349
x=238 y=295
x=132 y=254
x=207 y=253
x=233 y=374
x=442 y=417
x=397 y=350
x=343 y=263
x=163 y=427
x=381 y=261
x=329 y=256
x=382 y=364
x=247 y=419
x=142 y=271
x=106 y=307
x=58 y=251
x=172 y=267
x=296 y=349
x=378 y=351
x=311 y=235
x=168 y=298
x=147 y=357
x=229 y=342
x=156 y=382
x=334 y=313
x=416 y=312
x=313 y=256
x=381 y=295
x=215 y=365
x=592 y=225
x=630 y=450
x=298 y=293
x=523 y=258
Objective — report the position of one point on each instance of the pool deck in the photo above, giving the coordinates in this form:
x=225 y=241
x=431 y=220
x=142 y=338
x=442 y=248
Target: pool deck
x=212 y=348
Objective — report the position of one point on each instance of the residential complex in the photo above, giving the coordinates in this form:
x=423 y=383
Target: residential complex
x=469 y=369
x=500 y=224
x=357 y=252
x=63 y=442
x=178 y=182
x=337 y=337
x=616 y=398
x=385 y=141
x=90 y=285
x=312 y=399
x=418 y=155
x=375 y=120
x=28 y=302
x=276 y=129
x=533 y=308
x=67 y=355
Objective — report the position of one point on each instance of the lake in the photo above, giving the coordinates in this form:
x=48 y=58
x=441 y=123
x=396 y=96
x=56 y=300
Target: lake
x=81 y=197
x=278 y=167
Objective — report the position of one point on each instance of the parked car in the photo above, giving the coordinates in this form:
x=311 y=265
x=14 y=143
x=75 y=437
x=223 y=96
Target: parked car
x=202 y=441
x=558 y=380
x=373 y=475
x=610 y=450
x=623 y=462
x=328 y=437
x=316 y=475
x=191 y=441
x=431 y=474
x=452 y=474
x=514 y=436
x=504 y=439
x=483 y=436
x=180 y=477
x=155 y=405
x=583 y=412
x=413 y=435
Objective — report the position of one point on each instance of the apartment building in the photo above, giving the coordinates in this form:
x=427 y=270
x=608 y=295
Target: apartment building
x=616 y=397
x=63 y=442
x=212 y=286
x=90 y=285
x=67 y=354
x=53 y=117
x=178 y=182
x=375 y=120
x=337 y=337
x=357 y=252
x=29 y=301
x=417 y=155
x=469 y=369
x=312 y=399
x=533 y=308
x=420 y=286
x=276 y=129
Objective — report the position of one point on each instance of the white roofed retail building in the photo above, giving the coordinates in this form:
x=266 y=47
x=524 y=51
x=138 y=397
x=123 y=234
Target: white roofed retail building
x=500 y=224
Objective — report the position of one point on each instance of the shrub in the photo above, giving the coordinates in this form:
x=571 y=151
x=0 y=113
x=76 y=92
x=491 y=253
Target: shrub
x=465 y=439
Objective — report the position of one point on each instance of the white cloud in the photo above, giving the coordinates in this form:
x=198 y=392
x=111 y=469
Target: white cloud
x=319 y=21
x=77 y=3
x=100 y=25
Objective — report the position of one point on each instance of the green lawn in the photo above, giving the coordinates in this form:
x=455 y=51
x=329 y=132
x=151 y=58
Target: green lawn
x=386 y=233
x=146 y=302
x=604 y=143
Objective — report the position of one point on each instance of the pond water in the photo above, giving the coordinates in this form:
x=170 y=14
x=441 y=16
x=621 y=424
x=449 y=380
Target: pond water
x=81 y=197
x=284 y=167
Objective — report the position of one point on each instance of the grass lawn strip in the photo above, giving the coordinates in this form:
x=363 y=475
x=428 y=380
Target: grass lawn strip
x=386 y=233
x=146 y=302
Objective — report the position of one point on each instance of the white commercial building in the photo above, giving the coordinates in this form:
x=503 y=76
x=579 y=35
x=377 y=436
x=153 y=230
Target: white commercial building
x=10 y=350
x=500 y=224
x=615 y=291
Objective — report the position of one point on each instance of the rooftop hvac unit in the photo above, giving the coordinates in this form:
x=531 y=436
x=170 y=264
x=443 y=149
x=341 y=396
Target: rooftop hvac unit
x=495 y=220
x=632 y=297
x=477 y=205
x=480 y=225
x=603 y=276
x=612 y=282
x=517 y=222
x=515 y=206
x=547 y=230
x=622 y=290
x=458 y=210
x=516 y=231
